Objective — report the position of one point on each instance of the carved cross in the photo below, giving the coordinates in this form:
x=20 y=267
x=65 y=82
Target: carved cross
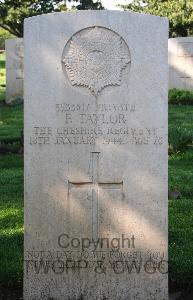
x=95 y=185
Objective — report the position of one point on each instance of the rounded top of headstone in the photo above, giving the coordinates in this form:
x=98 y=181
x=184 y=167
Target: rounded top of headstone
x=182 y=38
x=95 y=13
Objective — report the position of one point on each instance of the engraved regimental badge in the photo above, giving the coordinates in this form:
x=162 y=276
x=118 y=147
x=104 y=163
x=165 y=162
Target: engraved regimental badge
x=94 y=58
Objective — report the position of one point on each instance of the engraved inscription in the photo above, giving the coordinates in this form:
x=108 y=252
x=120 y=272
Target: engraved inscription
x=19 y=52
x=109 y=124
x=95 y=58
x=185 y=77
x=118 y=259
x=185 y=49
x=91 y=136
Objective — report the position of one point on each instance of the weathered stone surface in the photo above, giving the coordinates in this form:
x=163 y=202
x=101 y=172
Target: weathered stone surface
x=96 y=156
x=14 y=69
x=181 y=63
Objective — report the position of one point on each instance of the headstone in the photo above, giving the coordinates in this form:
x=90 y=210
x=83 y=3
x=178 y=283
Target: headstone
x=14 y=69
x=96 y=156
x=181 y=63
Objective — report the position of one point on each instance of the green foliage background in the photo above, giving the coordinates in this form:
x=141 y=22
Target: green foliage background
x=179 y=13
x=4 y=35
x=13 y=12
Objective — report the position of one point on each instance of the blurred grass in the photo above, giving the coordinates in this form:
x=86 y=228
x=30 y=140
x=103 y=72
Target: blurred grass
x=11 y=218
x=11 y=122
x=181 y=116
x=181 y=242
x=181 y=211
x=11 y=190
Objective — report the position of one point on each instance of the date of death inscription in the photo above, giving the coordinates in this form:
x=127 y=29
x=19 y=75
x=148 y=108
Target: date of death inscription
x=104 y=124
